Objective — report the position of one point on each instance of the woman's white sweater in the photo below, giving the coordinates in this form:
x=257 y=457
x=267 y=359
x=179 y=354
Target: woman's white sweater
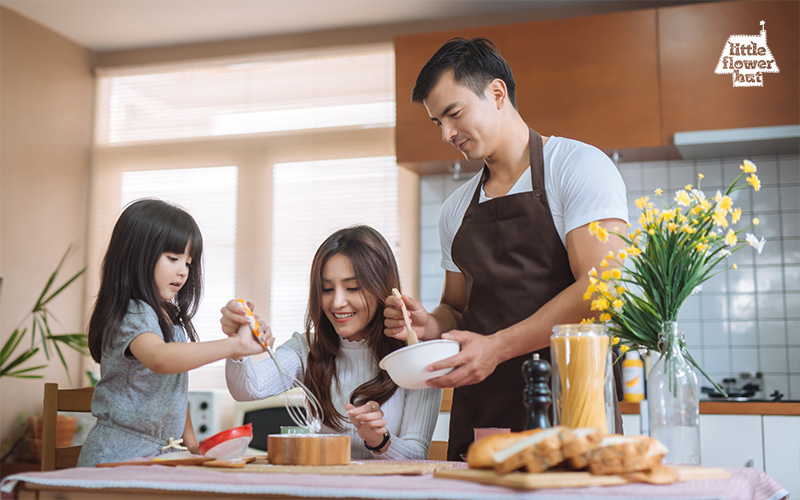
x=410 y=414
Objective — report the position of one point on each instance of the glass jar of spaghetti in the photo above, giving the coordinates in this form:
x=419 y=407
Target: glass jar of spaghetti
x=583 y=385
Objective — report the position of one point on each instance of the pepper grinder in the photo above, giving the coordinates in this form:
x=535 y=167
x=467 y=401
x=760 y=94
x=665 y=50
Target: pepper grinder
x=536 y=396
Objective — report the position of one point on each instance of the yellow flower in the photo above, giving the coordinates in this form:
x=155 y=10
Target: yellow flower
x=602 y=287
x=641 y=202
x=620 y=289
x=736 y=215
x=585 y=321
x=603 y=264
x=725 y=203
x=672 y=227
x=622 y=255
x=688 y=187
x=592 y=272
x=651 y=232
x=605 y=276
x=596 y=229
x=753 y=181
x=756 y=221
x=735 y=266
x=700 y=176
x=587 y=296
x=605 y=317
x=720 y=219
x=634 y=251
x=616 y=274
x=617 y=304
x=600 y=304
x=701 y=247
x=614 y=340
x=731 y=238
x=623 y=349
x=659 y=191
x=610 y=254
x=667 y=215
x=748 y=167
x=705 y=204
x=683 y=198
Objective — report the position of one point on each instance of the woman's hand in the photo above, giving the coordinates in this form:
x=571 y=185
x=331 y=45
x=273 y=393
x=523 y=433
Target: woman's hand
x=369 y=422
x=393 y=321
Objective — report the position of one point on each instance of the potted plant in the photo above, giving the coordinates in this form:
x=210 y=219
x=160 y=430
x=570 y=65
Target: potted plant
x=15 y=358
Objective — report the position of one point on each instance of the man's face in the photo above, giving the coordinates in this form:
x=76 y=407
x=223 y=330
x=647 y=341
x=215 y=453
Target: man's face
x=467 y=120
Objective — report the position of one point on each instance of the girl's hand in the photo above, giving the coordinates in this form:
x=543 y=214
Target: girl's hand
x=234 y=316
x=393 y=321
x=246 y=343
x=369 y=422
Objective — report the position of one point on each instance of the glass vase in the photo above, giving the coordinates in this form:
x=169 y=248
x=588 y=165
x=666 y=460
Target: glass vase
x=673 y=401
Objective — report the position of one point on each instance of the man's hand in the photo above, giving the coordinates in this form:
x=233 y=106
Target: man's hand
x=393 y=321
x=477 y=360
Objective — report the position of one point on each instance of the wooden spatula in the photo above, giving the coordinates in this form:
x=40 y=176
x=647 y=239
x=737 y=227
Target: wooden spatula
x=412 y=335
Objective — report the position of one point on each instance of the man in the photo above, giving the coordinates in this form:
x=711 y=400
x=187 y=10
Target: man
x=515 y=242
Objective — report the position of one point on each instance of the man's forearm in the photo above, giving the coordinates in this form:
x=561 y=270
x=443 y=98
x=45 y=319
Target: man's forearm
x=533 y=333
x=442 y=319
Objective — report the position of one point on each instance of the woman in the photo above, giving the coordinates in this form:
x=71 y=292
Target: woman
x=337 y=357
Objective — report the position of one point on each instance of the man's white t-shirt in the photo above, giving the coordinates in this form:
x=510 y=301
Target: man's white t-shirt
x=582 y=184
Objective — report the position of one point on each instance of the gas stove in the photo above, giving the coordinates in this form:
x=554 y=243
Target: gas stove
x=748 y=387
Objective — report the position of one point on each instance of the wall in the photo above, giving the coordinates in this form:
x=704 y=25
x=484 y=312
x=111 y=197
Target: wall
x=46 y=96
x=744 y=320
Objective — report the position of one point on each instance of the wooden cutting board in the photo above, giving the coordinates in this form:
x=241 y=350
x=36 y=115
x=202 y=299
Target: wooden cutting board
x=369 y=468
x=565 y=479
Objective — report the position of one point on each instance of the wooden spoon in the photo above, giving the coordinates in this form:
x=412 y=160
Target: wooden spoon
x=411 y=334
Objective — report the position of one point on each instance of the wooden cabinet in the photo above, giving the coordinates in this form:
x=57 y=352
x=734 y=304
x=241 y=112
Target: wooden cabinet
x=594 y=79
x=690 y=42
x=626 y=81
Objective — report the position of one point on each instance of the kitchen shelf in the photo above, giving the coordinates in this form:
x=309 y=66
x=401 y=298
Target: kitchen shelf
x=732 y=408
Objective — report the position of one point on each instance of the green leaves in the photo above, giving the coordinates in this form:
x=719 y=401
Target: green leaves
x=41 y=333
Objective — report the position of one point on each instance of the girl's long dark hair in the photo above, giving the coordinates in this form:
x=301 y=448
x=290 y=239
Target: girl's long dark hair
x=146 y=229
x=376 y=271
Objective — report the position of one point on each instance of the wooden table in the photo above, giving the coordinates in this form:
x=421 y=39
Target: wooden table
x=161 y=482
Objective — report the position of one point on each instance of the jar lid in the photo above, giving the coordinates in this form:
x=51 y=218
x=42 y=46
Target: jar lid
x=578 y=329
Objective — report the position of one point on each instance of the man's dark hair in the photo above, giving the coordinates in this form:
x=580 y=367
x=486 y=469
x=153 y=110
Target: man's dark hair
x=475 y=63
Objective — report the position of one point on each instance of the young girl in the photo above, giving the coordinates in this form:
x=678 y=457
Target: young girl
x=150 y=288
x=337 y=356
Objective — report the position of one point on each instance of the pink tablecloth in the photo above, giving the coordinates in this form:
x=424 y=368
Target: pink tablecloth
x=746 y=484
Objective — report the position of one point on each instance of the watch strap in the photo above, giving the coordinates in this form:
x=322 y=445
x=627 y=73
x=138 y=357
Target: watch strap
x=378 y=448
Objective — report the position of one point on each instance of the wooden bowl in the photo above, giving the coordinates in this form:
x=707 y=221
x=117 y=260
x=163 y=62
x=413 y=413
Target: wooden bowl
x=308 y=449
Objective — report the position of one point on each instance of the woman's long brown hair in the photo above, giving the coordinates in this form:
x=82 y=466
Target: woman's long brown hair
x=376 y=271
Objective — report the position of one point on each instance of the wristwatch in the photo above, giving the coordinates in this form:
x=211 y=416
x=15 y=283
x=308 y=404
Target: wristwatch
x=378 y=448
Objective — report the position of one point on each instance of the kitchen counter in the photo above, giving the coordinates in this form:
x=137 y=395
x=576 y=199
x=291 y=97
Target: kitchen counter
x=732 y=408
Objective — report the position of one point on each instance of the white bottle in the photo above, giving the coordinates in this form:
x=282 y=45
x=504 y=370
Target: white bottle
x=633 y=377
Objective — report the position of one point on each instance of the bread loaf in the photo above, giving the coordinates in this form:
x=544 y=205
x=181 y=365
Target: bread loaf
x=479 y=453
x=576 y=452
x=537 y=452
x=624 y=454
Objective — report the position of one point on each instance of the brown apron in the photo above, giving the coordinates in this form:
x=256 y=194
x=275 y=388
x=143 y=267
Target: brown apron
x=513 y=262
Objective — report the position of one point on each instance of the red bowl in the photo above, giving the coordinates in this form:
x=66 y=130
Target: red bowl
x=231 y=443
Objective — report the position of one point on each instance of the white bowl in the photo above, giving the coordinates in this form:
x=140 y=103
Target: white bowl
x=406 y=366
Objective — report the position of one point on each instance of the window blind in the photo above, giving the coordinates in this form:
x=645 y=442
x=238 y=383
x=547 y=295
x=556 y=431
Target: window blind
x=311 y=200
x=324 y=89
x=209 y=195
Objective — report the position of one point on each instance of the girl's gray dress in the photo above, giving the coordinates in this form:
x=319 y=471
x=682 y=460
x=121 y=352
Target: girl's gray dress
x=137 y=410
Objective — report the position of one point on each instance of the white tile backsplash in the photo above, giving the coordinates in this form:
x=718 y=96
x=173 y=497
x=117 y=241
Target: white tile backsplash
x=743 y=333
x=773 y=359
x=744 y=320
x=772 y=333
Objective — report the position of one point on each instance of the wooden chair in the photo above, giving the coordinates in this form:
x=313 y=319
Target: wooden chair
x=56 y=400
x=438 y=449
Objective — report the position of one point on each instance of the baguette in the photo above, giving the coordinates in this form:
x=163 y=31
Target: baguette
x=626 y=454
x=537 y=452
x=577 y=451
x=479 y=453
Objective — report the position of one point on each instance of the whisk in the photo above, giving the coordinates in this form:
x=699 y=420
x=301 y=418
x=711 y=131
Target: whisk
x=310 y=417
